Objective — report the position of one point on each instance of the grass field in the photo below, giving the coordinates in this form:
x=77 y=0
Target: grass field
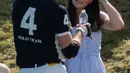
x=115 y=45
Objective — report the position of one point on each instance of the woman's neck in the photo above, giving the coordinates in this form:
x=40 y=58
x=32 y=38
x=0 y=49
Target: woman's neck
x=78 y=11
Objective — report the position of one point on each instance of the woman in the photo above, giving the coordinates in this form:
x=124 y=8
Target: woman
x=88 y=59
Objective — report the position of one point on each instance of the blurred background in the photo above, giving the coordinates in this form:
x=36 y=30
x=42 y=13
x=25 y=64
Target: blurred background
x=115 y=45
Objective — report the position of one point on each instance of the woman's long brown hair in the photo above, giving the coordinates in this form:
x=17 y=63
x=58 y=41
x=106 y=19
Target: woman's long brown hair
x=93 y=11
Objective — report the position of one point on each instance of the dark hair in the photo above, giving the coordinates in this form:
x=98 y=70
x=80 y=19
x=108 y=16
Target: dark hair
x=93 y=11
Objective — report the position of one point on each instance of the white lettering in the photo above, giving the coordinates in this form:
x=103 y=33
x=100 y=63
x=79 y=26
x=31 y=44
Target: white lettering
x=29 y=39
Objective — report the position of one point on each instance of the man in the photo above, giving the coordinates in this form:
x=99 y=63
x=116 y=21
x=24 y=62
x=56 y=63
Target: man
x=35 y=24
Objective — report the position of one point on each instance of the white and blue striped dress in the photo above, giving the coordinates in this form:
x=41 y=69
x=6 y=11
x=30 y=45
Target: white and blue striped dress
x=88 y=59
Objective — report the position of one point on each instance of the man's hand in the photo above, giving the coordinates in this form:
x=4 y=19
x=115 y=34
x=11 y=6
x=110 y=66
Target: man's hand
x=85 y=29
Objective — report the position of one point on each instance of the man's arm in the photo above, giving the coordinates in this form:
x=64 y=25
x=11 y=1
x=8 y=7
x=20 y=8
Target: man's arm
x=69 y=45
x=114 y=20
x=67 y=39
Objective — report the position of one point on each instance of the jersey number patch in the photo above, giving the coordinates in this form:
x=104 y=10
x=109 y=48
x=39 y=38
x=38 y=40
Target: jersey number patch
x=29 y=15
x=66 y=20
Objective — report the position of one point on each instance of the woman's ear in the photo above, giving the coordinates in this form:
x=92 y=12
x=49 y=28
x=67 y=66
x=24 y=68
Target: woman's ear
x=90 y=1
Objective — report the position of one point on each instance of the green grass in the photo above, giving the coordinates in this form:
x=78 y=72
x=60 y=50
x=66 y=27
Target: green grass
x=115 y=45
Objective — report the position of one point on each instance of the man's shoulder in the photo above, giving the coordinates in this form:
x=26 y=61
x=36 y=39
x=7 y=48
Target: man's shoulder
x=62 y=7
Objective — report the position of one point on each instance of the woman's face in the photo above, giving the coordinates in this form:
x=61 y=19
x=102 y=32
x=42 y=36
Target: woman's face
x=81 y=3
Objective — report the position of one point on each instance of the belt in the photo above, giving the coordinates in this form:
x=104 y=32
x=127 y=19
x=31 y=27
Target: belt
x=52 y=64
x=37 y=65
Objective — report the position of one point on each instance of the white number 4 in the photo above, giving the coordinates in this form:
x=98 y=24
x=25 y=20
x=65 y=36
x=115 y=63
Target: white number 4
x=66 y=20
x=30 y=14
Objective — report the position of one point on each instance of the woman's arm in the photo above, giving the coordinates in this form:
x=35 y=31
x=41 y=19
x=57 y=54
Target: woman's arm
x=112 y=20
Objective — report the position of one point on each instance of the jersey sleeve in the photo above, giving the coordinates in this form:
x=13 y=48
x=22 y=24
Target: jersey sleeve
x=61 y=21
